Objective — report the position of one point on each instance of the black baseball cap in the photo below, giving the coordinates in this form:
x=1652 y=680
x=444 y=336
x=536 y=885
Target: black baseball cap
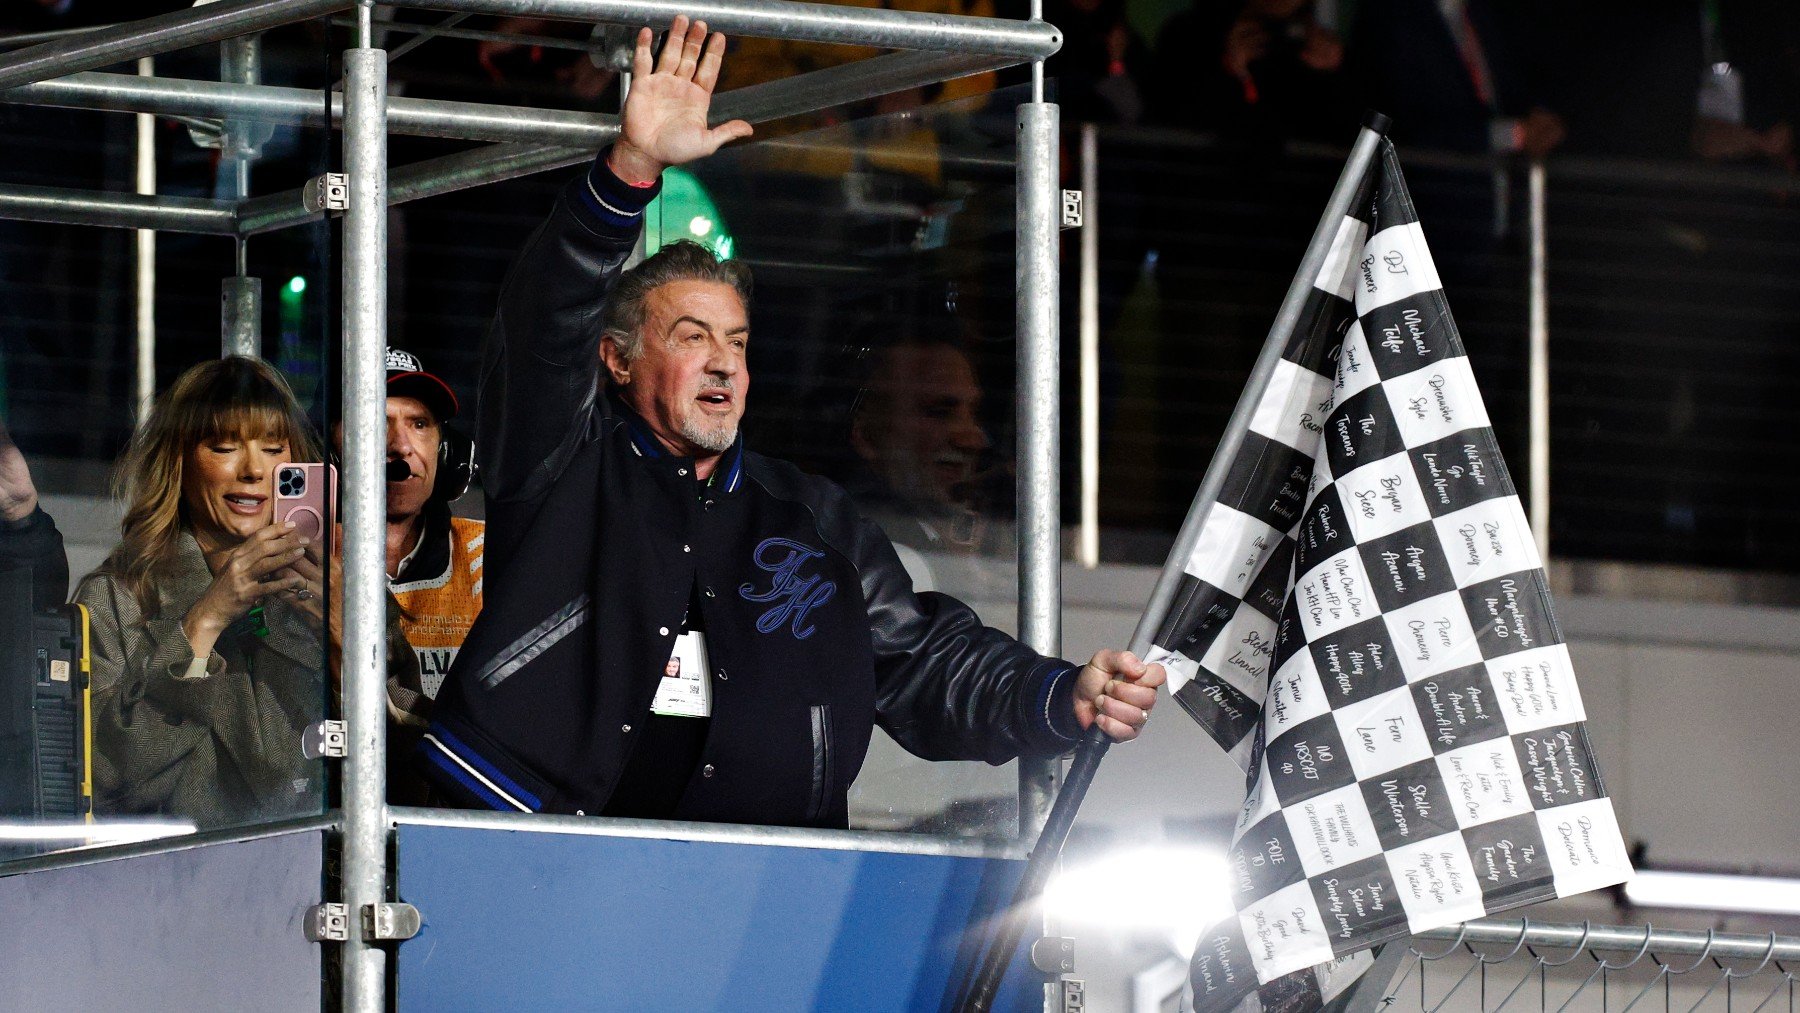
x=406 y=377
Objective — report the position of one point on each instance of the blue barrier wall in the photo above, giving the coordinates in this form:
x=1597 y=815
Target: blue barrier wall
x=214 y=927
x=535 y=921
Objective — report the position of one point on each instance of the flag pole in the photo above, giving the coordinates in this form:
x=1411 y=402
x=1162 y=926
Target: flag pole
x=998 y=953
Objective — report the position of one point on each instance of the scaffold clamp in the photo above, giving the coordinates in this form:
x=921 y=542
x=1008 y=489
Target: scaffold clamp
x=1071 y=209
x=328 y=923
x=1054 y=955
x=325 y=739
x=389 y=922
x=328 y=192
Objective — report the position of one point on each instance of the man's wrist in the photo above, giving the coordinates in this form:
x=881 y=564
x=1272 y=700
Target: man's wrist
x=632 y=167
x=612 y=204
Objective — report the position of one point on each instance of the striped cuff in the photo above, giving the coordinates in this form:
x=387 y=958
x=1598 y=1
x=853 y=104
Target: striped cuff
x=610 y=203
x=1056 y=703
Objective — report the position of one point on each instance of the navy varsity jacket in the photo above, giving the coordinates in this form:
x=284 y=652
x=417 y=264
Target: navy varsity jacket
x=597 y=542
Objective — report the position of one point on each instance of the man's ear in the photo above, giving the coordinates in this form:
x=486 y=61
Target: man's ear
x=613 y=358
x=859 y=438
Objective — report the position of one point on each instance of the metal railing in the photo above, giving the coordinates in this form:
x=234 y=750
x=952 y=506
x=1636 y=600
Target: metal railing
x=938 y=46
x=1493 y=965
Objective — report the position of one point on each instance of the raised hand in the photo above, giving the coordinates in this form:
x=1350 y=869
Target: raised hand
x=664 y=120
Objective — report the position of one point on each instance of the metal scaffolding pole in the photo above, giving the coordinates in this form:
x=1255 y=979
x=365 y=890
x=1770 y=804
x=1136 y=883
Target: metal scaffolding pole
x=1087 y=545
x=473 y=121
x=193 y=26
x=118 y=210
x=757 y=104
x=144 y=296
x=364 y=585
x=240 y=315
x=422 y=179
x=1039 y=454
x=1538 y=359
x=542 y=128
x=793 y=19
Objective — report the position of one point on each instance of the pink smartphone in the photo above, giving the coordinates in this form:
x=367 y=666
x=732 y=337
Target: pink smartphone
x=307 y=495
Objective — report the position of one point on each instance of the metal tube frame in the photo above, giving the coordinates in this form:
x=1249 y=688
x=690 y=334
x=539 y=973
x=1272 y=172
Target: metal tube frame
x=1538 y=357
x=558 y=137
x=144 y=290
x=364 y=660
x=937 y=48
x=1039 y=482
x=798 y=21
x=213 y=22
x=1087 y=543
x=788 y=837
x=240 y=315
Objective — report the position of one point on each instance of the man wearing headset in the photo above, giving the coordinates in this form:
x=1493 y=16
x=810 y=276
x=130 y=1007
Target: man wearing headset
x=433 y=559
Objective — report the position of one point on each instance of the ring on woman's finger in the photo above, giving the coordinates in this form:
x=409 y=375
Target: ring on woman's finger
x=303 y=594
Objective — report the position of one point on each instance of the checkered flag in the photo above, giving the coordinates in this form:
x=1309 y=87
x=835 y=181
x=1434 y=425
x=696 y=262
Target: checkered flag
x=1365 y=626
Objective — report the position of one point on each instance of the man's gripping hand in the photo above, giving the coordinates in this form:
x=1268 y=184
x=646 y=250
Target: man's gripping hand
x=1117 y=690
x=664 y=119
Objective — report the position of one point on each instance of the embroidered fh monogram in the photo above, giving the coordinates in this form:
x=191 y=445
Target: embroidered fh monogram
x=794 y=595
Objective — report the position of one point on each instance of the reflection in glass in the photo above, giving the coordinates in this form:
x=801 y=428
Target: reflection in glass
x=207 y=616
x=884 y=351
x=99 y=743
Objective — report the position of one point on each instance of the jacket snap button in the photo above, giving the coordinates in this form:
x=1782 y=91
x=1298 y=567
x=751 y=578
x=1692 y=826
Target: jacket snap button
x=723 y=677
x=682 y=472
x=709 y=593
x=625 y=728
x=706 y=771
x=686 y=549
x=662 y=631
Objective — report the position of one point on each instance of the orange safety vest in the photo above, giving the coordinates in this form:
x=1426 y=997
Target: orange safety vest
x=438 y=611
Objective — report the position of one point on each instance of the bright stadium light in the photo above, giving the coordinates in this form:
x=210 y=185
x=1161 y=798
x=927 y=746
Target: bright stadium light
x=1188 y=893
x=1710 y=891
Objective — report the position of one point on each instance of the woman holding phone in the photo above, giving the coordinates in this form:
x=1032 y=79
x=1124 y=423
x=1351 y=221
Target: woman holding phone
x=210 y=642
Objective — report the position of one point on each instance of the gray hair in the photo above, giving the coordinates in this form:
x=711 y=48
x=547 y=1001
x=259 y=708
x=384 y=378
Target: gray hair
x=622 y=320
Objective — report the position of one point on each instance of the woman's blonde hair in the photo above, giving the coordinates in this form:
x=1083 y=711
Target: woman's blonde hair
x=228 y=398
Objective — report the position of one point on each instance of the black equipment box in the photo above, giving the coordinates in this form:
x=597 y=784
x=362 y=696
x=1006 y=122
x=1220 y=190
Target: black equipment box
x=46 y=745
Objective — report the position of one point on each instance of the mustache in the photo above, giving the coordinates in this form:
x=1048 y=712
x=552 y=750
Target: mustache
x=711 y=382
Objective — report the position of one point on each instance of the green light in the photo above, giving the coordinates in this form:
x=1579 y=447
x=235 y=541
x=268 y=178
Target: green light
x=296 y=284
x=689 y=212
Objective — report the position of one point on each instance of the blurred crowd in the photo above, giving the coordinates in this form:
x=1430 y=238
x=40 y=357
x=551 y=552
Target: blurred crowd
x=901 y=280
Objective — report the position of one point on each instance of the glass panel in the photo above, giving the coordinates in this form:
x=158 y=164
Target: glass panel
x=884 y=352
x=110 y=728
x=885 y=360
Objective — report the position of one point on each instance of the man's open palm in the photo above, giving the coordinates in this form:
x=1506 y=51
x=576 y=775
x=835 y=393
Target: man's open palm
x=664 y=120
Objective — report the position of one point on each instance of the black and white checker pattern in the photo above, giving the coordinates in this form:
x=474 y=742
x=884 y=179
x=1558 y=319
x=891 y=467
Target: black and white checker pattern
x=1366 y=627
